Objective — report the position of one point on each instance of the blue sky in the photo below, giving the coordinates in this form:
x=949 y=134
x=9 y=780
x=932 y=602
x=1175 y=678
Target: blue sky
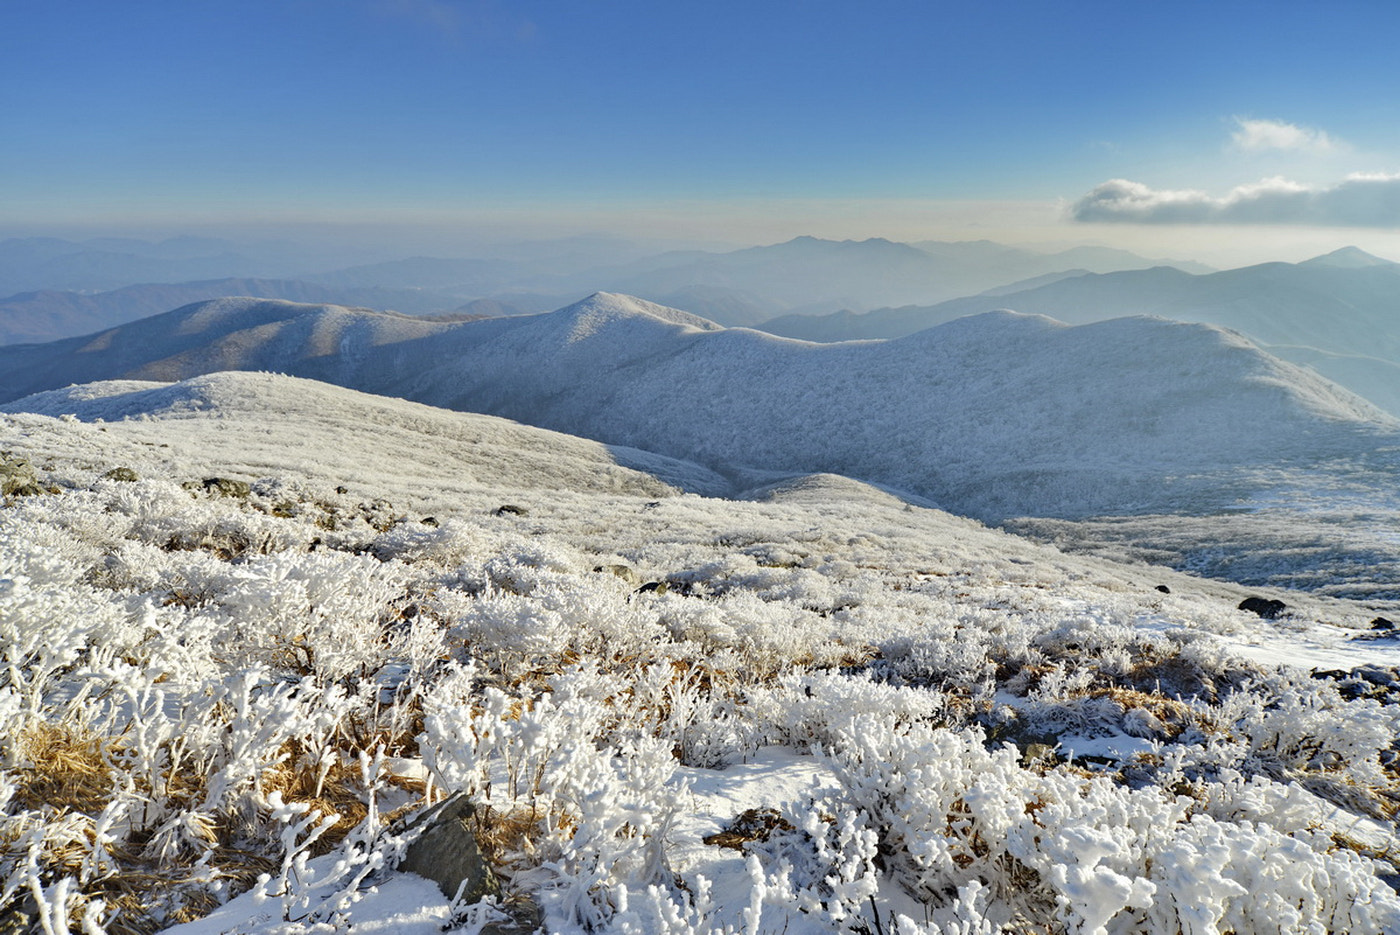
x=742 y=120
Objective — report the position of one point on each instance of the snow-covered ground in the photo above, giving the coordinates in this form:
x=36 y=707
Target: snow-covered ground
x=956 y=729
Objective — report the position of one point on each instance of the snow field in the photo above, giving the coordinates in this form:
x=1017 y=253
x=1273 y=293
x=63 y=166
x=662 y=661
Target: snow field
x=204 y=696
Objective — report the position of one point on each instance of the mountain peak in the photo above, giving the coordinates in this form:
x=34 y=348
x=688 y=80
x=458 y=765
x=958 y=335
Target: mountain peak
x=602 y=306
x=1347 y=258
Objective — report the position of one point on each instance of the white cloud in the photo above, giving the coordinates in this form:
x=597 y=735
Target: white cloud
x=1361 y=200
x=1261 y=135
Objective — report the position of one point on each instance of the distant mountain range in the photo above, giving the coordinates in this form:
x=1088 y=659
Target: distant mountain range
x=36 y=264
x=1339 y=313
x=34 y=317
x=808 y=273
x=742 y=287
x=995 y=415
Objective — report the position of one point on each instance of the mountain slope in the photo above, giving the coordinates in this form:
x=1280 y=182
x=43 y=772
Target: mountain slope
x=991 y=415
x=994 y=414
x=1342 y=309
x=363 y=602
x=351 y=347
x=35 y=317
x=431 y=452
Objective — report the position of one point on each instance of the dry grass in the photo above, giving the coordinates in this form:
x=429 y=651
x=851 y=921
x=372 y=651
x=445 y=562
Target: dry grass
x=68 y=769
x=334 y=786
x=65 y=767
x=506 y=838
x=1173 y=715
x=756 y=824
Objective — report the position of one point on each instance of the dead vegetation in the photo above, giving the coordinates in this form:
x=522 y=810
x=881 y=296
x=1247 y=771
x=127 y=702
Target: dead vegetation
x=751 y=825
x=64 y=767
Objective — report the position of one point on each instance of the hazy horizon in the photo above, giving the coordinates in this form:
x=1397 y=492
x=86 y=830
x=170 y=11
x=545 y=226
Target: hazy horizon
x=1194 y=131
x=349 y=245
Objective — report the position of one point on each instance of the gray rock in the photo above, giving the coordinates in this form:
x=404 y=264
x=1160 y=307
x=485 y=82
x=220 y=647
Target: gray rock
x=510 y=509
x=447 y=852
x=1264 y=607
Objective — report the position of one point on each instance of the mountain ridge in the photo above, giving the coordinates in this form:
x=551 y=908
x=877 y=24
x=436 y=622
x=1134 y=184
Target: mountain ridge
x=1339 y=310
x=994 y=415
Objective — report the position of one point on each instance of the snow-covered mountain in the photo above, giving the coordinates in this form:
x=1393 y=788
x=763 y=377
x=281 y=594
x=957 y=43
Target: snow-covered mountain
x=324 y=341
x=65 y=288
x=36 y=317
x=250 y=622
x=993 y=415
x=1337 y=312
x=469 y=450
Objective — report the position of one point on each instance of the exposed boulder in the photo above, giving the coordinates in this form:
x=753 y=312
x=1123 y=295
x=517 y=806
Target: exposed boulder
x=447 y=851
x=1264 y=607
x=1369 y=681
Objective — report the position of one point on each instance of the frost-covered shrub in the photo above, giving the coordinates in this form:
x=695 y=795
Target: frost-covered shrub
x=543 y=754
x=47 y=619
x=318 y=612
x=1089 y=854
x=522 y=566
x=219 y=677
x=451 y=542
x=826 y=867
x=1214 y=876
x=1303 y=724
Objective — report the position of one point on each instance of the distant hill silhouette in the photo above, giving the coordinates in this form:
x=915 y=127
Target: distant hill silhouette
x=36 y=317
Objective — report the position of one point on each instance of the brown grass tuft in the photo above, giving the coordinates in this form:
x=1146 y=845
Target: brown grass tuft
x=331 y=788
x=506 y=838
x=64 y=767
x=1173 y=715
